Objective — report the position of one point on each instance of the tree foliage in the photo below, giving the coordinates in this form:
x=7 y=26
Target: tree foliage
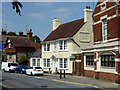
x=12 y=34
x=36 y=39
x=23 y=60
x=4 y=58
x=16 y=4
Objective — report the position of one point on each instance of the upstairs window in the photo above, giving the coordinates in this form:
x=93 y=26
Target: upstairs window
x=104 y=29
x=63 y=45
x=103 y=6
x=55 y=46
x=46 y=46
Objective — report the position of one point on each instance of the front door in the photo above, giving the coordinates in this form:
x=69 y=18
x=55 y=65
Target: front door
x=54 y=65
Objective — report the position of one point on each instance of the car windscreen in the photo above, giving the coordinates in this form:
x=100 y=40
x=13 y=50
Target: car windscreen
x=14 y=64
x=38 y=68
x=24 y=67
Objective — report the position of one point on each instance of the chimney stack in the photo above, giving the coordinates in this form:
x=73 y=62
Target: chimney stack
x=56 y=23
x=20 y=33
x=29 y=34
x=3 y=32
x=88 y=14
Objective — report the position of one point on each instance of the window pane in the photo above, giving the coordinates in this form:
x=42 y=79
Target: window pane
x=44 y=46
x=60 y=45
x=38 y=62
x=48 y=62
x=65 y=45
x=48 y=47
x=55 y=46
x=61 y=63
x=65 y=63
x=34 y=62
x=44 y=62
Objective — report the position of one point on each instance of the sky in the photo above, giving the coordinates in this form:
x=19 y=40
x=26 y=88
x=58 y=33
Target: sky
x=38 y=16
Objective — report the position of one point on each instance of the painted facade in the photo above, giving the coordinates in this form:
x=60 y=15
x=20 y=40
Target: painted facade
x=102 y=60
x=61 y=44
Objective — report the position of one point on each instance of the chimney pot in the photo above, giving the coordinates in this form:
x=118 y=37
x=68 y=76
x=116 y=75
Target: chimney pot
x=3 y=32
x=29 y=34
x=20 y=33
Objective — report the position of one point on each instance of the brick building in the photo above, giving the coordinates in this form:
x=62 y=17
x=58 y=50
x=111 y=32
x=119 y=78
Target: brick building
x=102 y=60
x=16 y=46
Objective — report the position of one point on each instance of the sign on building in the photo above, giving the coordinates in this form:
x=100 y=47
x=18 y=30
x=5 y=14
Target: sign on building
x=1 y=45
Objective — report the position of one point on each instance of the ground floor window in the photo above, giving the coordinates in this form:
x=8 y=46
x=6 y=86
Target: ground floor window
x=46 y=63
x=108 y=60
x=36 y=62
x=63 y=63
x=90 y=60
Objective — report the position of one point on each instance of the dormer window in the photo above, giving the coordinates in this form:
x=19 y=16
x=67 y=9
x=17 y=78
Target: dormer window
x=9 y=45
x=103 y=6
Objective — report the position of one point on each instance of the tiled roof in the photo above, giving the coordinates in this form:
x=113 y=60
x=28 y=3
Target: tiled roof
x=37 y=46
x=37 y=53
x=65 y=30
x=18 y=41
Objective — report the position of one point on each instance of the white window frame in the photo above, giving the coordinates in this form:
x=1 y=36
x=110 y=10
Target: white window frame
x=103 y=8
x=64 y=63
x=63 y=45
x=36 y=61
x=45 y=47
x=46 y=65
x=103 y=18
x=55 y=46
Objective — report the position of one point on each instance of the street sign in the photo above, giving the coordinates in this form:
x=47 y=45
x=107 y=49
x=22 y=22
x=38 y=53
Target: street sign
x=72 y=58
x=1 y=45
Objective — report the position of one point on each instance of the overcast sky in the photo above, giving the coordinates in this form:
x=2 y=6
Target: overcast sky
x=38 y=16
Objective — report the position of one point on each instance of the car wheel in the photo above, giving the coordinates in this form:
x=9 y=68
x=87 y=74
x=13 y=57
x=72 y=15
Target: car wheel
x=3 y=70
x=31 y=74
x=21 y=72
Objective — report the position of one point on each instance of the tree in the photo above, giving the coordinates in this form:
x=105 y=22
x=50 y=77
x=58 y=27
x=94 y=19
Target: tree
x=36 y=39
x=4 y=58
x=12 y=34
x=16 y=4
x=23 y=60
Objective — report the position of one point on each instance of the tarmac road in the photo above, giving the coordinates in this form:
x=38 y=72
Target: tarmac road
x=13 y=80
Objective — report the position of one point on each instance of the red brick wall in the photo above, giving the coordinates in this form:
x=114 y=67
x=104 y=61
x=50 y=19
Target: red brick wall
x=106 y=76
x=89 y=73
x=11 y=50
x=112 y=24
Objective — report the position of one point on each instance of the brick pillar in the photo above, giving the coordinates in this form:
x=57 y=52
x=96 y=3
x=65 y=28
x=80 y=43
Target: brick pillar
x=82 y=64
x=117 y=62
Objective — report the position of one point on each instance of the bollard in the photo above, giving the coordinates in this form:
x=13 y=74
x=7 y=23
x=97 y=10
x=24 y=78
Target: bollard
x=64 y=73
x=60 y=74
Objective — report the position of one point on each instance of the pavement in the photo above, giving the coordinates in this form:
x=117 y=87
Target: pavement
x=84 y=81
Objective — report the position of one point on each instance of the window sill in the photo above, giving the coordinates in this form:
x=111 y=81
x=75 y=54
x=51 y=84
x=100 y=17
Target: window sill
x=92 y=66
x=105 y=67
x=63 y=68
x=46 y=51
x=46 y=67
x=63 y=50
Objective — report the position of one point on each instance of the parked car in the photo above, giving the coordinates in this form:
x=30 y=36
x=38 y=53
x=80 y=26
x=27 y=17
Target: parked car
x=9 y=66
x=35 y=71
x=21 y=69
